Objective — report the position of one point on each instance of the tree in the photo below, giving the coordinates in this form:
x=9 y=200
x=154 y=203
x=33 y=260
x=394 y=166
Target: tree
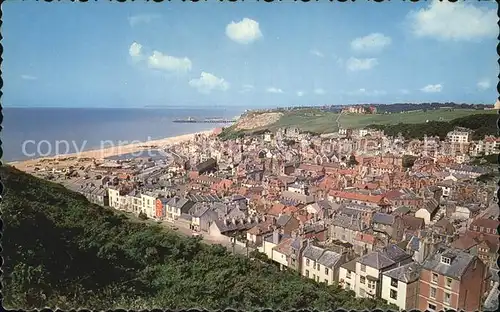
x=408 y=161
x=352 y=161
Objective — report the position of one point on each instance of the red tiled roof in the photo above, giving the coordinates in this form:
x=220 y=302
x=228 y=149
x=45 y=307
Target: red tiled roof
x=276 y=209
x=376 y=199
x=486 y=223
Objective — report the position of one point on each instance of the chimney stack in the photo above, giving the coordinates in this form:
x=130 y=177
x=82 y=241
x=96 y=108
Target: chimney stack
x=276 y=237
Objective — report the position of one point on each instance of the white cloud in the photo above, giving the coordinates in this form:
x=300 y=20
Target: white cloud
x=355 y=64
x=247 y=88
x=135 y=49
x=484 y=84
x=432 y=88
x=300 y=93
x=375 y=42
x=28 y=77
x=274 y=90
x=316 y=53
x=246 y=31
x=319 y=91
x=457 y=21
x=142 y=19
x=165 y=62
x=208 y=82
x=363 y=91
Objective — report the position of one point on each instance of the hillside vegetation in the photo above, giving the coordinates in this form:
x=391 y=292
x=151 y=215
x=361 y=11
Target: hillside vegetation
x=319 y=121
x=61 y=251
x=481 y=124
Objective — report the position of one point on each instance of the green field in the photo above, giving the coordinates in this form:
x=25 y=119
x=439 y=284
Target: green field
x=325 y=122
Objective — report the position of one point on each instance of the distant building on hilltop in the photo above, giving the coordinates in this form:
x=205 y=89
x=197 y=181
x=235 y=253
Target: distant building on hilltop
x=360 y=109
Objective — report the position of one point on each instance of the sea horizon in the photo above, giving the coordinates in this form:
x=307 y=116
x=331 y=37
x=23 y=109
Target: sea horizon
x=36 y=132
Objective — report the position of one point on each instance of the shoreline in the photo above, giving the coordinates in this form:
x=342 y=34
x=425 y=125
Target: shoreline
x=101 y=154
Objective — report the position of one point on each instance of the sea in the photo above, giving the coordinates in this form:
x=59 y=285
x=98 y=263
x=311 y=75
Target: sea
x=29 y=133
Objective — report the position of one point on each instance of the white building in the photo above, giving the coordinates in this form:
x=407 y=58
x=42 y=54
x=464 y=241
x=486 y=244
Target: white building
x=321 y=265
x=459 y=136
x=364 y=275
x=149 y=204
x=117 y=199
x=400 y=286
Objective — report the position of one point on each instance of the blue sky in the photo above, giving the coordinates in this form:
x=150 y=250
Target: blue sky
x=247 y=54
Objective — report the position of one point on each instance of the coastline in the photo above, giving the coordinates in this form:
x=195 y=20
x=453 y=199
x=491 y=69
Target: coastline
x=100 y=154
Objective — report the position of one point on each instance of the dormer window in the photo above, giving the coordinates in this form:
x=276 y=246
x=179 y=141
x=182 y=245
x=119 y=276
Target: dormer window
x=445 y=260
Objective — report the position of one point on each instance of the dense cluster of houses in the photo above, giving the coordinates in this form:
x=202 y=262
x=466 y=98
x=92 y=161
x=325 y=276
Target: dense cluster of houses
x=339 y=208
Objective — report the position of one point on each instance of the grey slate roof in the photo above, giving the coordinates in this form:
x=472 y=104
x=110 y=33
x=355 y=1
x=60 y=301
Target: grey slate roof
x=351 y=265
x=455 y=269
x=407 y=273
x=383 y=218
x=313 y=252
x=283 y=220
x=347 y=223
x=385 y=257
x=329 y=259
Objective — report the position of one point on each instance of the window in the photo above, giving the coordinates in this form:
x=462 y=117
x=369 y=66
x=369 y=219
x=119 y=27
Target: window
x=314 y=276
x=394 y=282
x=434 y=278
x=317 y=278
x=347 y=286
x=361 y=292
x=326 y=281
x=474 y=228
x=447 y=297
x=445 y=260
x=326 y=271
x=371 y=284
x=362 y=279
x=433 y=292
x=487 y=230
x=363 y=268
x=394 y=294
x=481 y=229
x=307 y=273
x=431 y=307
x=448 y=282
x=307 y=262
x=348 y=274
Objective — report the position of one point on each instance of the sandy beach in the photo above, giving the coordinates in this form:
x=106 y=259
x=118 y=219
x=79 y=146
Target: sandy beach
x=99 y=154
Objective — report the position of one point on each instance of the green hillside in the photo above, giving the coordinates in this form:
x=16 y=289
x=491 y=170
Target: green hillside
x=61 y=251
x=316 y=121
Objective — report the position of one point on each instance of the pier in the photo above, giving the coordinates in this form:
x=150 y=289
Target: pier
x=206 y=120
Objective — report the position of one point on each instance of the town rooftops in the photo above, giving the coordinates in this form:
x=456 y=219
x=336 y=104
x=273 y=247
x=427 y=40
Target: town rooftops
x=459 y=261
x=385 y=257
x=407 y=273
x=329 y=258
x=383 y=218
x=203 y=198
x=350 y=266
x=313 y=252
x=374 y=199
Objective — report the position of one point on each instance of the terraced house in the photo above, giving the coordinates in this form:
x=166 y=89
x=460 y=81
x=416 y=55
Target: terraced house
x=364 y=275
x=451 y=279
x=321 y=265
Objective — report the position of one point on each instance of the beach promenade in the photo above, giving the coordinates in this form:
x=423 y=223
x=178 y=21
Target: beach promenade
x=100 y=154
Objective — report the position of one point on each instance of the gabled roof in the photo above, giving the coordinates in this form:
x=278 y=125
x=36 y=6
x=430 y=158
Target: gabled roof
x=461 y=260
x=407 y=273
x=383 y=218
x=313 y=252
x=329 y=259
x=385 y=257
